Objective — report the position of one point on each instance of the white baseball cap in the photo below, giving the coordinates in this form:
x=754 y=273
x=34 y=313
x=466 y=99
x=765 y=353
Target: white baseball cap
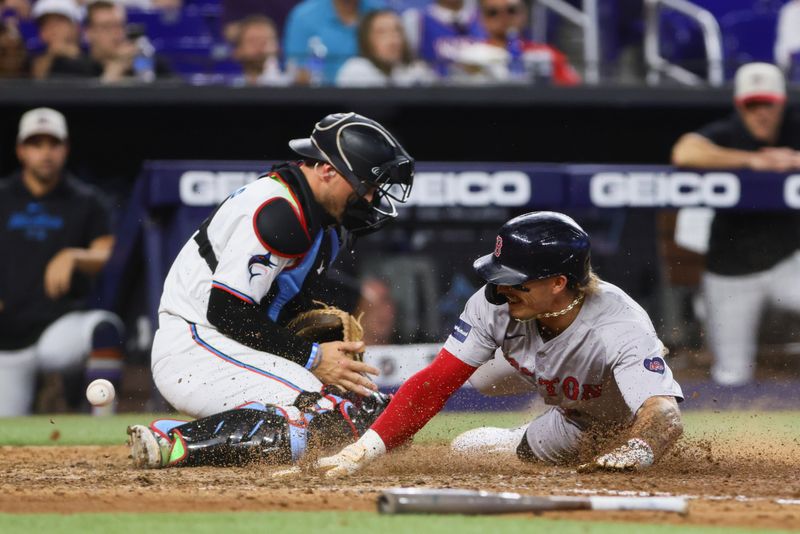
x=42 y=121
x=65 y=8
x=762 y=82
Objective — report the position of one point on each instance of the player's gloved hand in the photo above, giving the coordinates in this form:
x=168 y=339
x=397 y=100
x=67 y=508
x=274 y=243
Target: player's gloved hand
x=353 y=457
x=636 y=454
x=337 y=368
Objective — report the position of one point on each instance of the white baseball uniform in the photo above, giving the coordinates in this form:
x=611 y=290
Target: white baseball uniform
x=601 y=369
x=196 y=368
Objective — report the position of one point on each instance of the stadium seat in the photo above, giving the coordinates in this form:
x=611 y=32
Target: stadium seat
x=748 y=36
x=748 y=33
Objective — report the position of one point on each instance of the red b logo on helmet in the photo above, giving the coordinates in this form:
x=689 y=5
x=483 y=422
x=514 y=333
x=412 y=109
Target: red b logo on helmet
x=498 y=246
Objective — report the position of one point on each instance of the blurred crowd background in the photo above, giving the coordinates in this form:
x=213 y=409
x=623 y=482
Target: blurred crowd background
x=404 y=43
x=531 y=81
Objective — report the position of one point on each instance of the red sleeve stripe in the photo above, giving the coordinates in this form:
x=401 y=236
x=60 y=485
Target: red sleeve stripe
x=230 y=290
x=420 y=398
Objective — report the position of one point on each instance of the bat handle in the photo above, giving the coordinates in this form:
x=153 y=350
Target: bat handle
x=659 y=504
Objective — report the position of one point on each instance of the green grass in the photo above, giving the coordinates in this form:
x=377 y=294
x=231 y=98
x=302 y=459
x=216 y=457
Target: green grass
x=85 y=430
x=328 y=523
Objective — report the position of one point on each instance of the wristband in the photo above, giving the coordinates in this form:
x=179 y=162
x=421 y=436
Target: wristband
x=313 y=359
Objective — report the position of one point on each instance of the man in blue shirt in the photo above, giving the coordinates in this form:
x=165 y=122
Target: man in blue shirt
x=320 y=35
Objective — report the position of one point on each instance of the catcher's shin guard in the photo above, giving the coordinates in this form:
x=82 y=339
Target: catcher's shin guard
x=236 y=437
x=350 y=417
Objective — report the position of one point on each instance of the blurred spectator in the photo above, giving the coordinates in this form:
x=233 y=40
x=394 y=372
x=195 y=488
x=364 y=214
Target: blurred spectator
x=167 y=5
x=257 y=49
x=753 y=257
x=234 y=11
x=113 y=56
x=504 y=21
x=21 y=8
x=788 y=38
x=385 y=57
x=13 y=55
x=437 y=31
x=321 y=35
x=379 y=312
x=59 y=29
x=58 y=232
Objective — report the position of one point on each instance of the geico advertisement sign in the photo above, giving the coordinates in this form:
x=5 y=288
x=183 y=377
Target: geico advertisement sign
x=470 y=188
x=431 y=189
x=616 y=189
x=206 y=188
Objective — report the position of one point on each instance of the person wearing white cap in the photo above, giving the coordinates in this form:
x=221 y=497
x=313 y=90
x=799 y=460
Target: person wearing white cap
x=752 y=259
x=59 y=29
x=56 y=233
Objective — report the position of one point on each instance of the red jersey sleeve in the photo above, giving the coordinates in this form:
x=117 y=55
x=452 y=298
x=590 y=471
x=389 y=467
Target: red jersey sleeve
x=420 y=398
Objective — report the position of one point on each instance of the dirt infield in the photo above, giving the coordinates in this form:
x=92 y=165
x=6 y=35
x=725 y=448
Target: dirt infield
x=736 y=484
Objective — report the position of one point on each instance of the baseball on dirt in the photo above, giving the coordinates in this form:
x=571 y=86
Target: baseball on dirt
x=100 y=392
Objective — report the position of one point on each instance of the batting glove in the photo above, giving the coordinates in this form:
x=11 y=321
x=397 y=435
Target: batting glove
x=636 y=454
x=353 y=457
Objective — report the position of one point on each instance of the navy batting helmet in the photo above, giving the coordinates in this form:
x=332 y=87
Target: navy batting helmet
x=368 y=156
x=534 y=246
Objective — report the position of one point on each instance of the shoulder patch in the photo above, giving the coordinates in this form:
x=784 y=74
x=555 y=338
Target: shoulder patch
x=280 y=229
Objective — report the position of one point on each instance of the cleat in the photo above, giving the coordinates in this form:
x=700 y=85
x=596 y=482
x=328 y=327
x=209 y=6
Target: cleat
x=147 y=448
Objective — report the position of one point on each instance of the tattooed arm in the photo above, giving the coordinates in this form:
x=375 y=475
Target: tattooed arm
x=656 y=427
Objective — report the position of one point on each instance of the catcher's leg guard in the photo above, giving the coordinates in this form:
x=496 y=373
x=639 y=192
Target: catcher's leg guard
x=350 y=417
x=236 y=437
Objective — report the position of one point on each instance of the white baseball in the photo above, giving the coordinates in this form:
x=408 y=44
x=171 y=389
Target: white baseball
x=100 y=392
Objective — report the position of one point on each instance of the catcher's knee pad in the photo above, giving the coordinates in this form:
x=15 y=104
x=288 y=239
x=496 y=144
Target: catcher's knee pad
x=236 y=437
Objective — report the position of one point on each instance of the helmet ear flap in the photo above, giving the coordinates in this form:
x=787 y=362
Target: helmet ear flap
x=493 y=296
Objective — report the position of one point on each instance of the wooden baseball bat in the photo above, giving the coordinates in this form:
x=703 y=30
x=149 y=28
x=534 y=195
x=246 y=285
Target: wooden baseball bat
x=458 y=501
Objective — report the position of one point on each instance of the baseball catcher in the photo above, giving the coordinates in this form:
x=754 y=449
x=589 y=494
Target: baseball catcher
x=225 y=339
x=268 y=433
x=584 y=345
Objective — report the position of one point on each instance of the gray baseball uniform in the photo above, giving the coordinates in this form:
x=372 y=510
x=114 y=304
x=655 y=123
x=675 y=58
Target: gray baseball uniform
x=601 y=369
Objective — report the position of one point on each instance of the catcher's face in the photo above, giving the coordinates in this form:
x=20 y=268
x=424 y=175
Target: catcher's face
x=341 y=194
x=528 y=300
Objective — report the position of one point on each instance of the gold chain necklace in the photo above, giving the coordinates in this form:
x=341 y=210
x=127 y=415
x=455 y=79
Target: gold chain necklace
x=559 y=313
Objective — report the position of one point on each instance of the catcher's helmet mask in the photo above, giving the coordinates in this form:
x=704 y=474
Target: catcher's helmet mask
x=368 y=157
x=535 y=246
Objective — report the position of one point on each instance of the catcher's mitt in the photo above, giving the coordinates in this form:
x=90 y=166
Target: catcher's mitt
x=328 y=323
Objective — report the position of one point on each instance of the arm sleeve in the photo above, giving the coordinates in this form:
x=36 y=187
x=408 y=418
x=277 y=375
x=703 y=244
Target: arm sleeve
x=640 y=370
x=420 y=398
x=246 y=323
x=473 y=339
x=718 y=132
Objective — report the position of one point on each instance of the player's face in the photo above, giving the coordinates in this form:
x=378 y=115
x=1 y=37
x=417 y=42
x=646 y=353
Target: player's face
x=530 y=299
x=340 y=193
x=762 y=119
x=43 y=157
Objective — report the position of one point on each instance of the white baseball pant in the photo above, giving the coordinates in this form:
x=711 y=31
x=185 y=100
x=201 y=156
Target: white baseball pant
x=63 y=346
x=200 y=372
x=734 y=305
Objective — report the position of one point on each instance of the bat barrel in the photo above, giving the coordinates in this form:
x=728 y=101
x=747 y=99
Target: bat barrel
x=456 y=501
